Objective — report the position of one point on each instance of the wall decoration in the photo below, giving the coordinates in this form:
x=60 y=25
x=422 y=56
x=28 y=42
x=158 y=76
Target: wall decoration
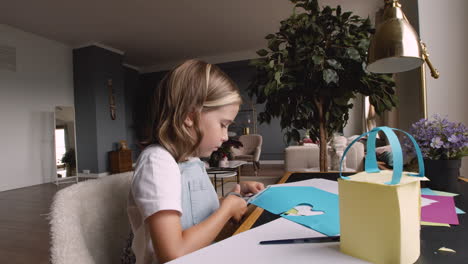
x=111 y=99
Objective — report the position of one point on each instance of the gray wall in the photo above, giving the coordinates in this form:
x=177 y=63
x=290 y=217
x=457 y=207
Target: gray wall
x=148 y=82
x=97 y=133
x=131 y=83
x=85 y=116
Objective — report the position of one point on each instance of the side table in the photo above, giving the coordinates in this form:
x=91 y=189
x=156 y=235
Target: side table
x=220 y=174
x=120 y=161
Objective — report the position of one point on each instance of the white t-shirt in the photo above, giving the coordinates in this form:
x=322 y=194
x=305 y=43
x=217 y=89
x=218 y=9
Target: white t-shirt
x=156 y=186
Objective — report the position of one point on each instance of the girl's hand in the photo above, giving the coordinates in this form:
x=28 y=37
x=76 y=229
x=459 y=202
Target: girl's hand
x=251 y=187
x=236 y=205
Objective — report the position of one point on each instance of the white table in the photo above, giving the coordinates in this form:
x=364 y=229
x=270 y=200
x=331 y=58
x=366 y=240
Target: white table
x=245 y=248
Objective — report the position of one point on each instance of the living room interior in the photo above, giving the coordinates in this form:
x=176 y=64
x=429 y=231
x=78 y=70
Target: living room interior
x=65 y=54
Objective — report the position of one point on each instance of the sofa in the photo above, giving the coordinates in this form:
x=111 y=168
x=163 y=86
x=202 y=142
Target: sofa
x=306 y=158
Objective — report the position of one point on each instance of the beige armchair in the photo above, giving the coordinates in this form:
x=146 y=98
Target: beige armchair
x=89 y=222
x=252 y=147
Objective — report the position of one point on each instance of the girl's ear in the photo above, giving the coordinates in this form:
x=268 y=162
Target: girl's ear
x=191 y=116
x=189 y=120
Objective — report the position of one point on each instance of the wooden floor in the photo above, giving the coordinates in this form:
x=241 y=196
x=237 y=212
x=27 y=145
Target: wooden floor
x=266 y=170
x=24 y=228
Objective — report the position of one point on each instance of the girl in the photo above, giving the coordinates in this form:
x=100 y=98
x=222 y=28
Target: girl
x=173 y=207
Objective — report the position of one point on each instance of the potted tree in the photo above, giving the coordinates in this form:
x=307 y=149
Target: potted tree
x=313 y=66
x=70 y=161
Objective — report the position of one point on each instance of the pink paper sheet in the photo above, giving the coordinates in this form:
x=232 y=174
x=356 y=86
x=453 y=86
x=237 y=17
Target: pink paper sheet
x=443 y=211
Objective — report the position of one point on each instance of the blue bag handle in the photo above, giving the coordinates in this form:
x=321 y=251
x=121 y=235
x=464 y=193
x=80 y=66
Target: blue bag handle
x=371 y=157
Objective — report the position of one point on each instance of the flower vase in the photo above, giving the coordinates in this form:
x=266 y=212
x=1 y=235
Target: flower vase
x=223 y=163
x=443 y=174
x=307 y=141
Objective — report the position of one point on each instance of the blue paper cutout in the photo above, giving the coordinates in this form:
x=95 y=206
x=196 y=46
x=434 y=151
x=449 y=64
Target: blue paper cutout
x=278 y=200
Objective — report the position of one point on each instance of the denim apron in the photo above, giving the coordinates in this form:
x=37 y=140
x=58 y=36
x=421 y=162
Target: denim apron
x=199 y=198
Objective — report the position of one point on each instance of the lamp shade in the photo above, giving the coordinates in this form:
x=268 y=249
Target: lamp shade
x=395 y=46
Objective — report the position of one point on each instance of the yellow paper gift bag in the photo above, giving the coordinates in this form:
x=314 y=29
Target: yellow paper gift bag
x=380 y=210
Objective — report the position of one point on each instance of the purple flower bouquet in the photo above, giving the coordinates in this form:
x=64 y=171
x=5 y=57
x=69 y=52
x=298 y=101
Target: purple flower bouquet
x=440 y=139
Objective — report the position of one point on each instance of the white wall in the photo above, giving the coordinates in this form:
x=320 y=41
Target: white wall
x=43 y=79
x=355 y=124
x=443 y=29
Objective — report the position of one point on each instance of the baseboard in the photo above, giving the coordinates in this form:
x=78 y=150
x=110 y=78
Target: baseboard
x=70 y=179
x=93 y=175
x=271 y=162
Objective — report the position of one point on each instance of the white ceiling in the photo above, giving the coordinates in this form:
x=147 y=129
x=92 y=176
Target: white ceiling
x=155 y=35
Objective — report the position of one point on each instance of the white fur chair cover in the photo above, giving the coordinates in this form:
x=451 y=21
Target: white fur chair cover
x=89 y=222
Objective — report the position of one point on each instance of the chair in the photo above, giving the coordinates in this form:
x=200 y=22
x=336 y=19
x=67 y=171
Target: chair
x=252 y=147
x=89 y=222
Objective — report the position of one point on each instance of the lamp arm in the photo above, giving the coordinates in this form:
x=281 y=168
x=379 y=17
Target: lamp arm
x=434 y=72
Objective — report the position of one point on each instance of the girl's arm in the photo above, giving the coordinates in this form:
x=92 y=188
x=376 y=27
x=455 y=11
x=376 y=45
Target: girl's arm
x=170 y=241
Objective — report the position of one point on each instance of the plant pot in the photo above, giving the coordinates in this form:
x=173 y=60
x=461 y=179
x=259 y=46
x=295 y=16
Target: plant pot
x=443 y=174
x=223 y=163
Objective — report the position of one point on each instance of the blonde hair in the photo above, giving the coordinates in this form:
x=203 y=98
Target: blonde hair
x=188 y=90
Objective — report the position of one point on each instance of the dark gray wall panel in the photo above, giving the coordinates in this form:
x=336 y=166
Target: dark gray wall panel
x=97 y=133
x=132 y=84
x=85 y=115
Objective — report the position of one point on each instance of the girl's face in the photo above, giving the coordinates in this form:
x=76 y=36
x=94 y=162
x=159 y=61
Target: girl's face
x=214 y=125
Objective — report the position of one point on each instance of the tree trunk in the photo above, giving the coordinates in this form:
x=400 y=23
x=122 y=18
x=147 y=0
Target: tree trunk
x=323 y=138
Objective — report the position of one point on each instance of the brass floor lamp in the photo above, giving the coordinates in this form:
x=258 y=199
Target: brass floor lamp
x=396 y=47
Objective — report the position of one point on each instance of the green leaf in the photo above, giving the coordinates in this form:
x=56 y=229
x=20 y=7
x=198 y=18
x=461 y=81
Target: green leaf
x=340 y=101
x=269 y=36
x=364 y=44
x=272 y=64
x=278 y=77
x=346 y=15
x=267 y=89
x=353 y=54
x=257 y=62
x=330 y=76
x=335 y=64
x=262 y=52
x=317 y=59
x=273 y=44
x=327 y=10
x=295 y=134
